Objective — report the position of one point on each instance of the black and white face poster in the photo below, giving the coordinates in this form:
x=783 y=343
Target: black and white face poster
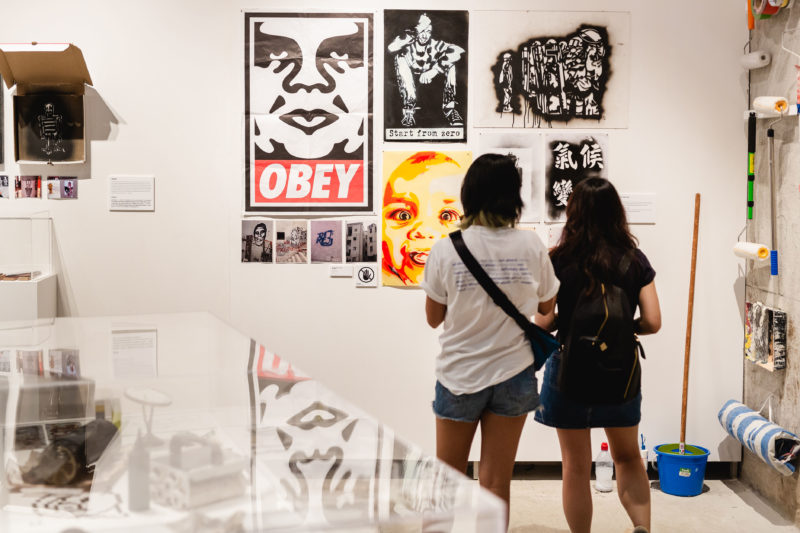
x=569 y=159
x=308 y=109
x=425 y=75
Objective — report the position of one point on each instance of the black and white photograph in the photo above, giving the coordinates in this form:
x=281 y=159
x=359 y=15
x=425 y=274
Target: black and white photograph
x=28 y=186
x=552 y=69
x=5 y=190
x=425 y=75
x=257 y=241
x=361 y=242
x=49 y=127
x=308 y=112
x=569 y=159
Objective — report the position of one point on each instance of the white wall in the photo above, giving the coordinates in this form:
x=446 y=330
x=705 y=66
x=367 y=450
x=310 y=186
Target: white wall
x=168 y=101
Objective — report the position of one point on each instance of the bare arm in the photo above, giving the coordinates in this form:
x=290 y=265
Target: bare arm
x=649 y=311
x=434 y=311
x=546 y=316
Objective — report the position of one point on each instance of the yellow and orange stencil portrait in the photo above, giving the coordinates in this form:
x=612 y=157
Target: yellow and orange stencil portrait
x=421 y=204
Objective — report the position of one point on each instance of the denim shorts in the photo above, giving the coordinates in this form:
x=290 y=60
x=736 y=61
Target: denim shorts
x=513 y=397
x=559 y=411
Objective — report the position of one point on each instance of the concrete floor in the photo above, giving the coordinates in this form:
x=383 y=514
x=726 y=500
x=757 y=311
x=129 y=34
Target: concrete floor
x=725 y=506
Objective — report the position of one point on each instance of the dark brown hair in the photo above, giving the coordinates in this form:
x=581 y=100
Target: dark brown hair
x=490 y=192
x=596 y=234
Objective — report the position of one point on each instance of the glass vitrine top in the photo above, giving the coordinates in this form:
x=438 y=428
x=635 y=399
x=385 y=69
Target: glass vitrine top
x=180 y=423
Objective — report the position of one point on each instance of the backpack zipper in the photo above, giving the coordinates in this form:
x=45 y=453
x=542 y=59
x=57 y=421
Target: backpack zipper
x=603 y=345
x=633 y=370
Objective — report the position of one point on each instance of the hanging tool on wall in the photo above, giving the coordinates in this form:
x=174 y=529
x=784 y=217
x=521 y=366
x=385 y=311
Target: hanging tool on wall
x=751 y=155
x=773 y=254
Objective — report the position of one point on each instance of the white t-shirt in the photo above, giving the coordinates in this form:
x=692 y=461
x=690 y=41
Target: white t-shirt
x=481 y=344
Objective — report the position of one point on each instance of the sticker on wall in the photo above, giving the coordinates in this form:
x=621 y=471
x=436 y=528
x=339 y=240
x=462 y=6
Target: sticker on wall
x=421 y=204
x=367 y=276
x=425 y=75
x=257 y=241
x=552 y=69
x=28 y=186
x=291 y=241
x=569 y=159
x=326 y=241
x=308 y=112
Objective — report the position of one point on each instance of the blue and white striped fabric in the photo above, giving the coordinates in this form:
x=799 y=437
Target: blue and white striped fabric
x=759 y=435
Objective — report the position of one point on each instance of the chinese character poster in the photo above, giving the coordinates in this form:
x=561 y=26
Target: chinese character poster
x=569 y=159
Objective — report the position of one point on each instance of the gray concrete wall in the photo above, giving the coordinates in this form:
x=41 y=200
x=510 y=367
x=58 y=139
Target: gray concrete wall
x=782 y=291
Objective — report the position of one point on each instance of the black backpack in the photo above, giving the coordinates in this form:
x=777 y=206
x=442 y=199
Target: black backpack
x=600 y=354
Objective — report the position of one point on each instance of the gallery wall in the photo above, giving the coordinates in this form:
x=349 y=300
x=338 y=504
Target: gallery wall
x=778 y=392
x=168 y=101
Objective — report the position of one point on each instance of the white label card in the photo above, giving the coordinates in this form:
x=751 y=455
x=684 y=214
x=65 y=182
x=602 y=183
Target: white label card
x=131 y=193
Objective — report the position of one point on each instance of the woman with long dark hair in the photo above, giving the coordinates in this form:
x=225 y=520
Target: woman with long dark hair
x=597 y=250
x=485 y=372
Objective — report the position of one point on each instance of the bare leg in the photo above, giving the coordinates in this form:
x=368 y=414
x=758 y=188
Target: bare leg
x=499 y=441
x=632 y=483
x=453 y=441
x=576 y=492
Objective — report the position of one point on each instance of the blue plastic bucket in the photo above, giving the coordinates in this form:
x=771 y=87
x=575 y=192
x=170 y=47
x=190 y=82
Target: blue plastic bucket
x=681 y=475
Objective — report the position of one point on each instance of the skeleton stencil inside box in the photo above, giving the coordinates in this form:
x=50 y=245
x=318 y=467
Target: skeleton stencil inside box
x=49 y=127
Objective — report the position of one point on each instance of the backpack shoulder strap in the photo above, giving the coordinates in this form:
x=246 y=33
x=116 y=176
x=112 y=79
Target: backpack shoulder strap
x=497 y=295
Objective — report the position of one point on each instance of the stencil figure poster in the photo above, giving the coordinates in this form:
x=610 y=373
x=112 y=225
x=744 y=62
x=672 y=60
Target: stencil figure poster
x=308 y=112
x=552 y=69
x=49 y=127
x=569 y=159
x=326 y=241
x=257 y=241
x=421 y=204
x=425 y=75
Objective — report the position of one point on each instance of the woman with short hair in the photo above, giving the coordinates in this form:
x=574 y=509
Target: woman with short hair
x=485 y=373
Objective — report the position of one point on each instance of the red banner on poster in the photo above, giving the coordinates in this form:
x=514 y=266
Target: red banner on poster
x=310 y=182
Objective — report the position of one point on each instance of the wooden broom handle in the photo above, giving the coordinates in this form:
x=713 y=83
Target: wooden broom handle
x=689 y=317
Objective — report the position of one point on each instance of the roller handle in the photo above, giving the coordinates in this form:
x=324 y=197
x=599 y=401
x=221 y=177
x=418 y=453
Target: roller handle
x=773 y=262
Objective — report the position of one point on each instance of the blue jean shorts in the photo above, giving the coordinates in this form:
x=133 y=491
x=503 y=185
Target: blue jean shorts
x=513 y=397
x=560 y=411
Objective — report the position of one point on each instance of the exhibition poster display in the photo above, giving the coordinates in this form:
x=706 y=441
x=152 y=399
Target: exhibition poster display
x=308 y=112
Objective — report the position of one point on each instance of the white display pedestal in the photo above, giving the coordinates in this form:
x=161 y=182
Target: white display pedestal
x=28 y=300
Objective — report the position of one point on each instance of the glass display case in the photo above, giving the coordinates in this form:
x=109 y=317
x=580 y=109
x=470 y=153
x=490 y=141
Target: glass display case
x=27 y=277
x=180 y=423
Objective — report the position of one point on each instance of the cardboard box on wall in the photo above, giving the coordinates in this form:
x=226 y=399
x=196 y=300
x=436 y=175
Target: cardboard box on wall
x=50 y=80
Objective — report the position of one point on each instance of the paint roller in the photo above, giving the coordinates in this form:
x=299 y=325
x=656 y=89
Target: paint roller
x=751 y=250
x=755 y=60
x=771 y=105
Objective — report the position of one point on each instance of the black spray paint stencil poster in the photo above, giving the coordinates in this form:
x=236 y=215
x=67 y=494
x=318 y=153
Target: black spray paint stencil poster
x=552 y=69
x=425 y=75
x=569 y=159
x=308 y=112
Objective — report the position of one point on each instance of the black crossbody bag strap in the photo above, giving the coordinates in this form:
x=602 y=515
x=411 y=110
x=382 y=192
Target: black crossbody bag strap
x=497 y=295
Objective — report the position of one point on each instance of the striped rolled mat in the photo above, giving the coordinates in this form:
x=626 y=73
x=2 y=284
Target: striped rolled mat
x=771 y=443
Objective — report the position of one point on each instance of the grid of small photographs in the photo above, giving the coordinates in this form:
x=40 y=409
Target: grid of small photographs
x=58 y=363
x=55 y=187
x=318 y=241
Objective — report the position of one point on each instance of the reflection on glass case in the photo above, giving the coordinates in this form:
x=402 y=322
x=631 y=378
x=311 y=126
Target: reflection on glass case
x=238 y=440
x=27 y=278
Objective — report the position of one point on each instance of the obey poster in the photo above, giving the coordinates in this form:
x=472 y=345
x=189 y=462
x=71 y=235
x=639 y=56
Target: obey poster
x=308 y=109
